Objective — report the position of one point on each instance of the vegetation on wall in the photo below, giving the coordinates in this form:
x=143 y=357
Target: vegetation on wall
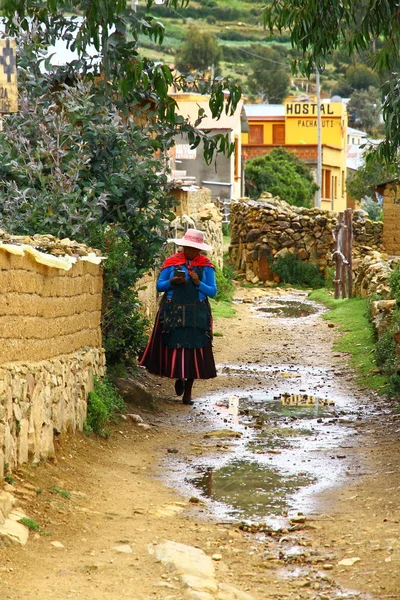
x=85 y=156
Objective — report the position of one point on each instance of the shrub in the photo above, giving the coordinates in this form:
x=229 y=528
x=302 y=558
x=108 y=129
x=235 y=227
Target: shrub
x=291 y=269
x=225 y=286
x=104 y=403
x=394 y=282
x=372 y=208
x=282 y=174
x=385 y=353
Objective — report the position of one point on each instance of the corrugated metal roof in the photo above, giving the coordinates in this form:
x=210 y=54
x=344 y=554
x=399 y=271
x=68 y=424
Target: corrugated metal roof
x=264 y=110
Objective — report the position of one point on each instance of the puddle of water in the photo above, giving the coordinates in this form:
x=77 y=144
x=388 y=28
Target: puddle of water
x=249 y=488
x=290 y=307
x=286 y=309
x=286 y=454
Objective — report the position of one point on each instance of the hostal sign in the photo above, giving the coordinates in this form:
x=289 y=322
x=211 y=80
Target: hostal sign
x=8 y=76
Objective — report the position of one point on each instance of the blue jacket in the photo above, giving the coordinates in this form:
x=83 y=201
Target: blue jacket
x=207 y=286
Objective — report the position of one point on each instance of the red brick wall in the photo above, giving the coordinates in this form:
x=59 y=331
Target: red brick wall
x=306 y=153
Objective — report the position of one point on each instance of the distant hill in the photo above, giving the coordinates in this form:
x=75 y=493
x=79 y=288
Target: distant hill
x=238 y=26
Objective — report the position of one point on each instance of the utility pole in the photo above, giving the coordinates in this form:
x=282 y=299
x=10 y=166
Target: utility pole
x=319 y=144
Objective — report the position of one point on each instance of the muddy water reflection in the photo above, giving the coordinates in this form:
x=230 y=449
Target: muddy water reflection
x=284 y=456
x=250 y=488
x=292 y=306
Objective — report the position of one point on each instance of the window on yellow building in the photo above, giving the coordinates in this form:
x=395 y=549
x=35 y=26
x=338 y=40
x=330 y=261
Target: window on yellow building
x=326 y=184
x=256 y=134
x=278 y=134
x=343 y=184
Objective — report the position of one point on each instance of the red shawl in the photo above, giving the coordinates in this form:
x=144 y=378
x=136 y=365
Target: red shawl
x=179 y=258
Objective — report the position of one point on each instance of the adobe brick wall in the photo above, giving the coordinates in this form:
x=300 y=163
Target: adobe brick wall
x=50 y=351
x=391 y=220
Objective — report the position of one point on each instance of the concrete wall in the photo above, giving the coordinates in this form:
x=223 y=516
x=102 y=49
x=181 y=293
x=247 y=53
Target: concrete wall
x=221 y=170
x=50 y=350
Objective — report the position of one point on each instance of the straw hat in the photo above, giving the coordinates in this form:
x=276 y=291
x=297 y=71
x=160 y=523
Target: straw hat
x=194 y=239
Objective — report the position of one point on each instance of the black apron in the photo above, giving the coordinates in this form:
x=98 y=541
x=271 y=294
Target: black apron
x=185 y=320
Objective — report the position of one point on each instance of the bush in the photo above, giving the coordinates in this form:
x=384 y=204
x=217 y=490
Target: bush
x=394 y=282
x=282 y=174
x=225 y=286
x=104 y=403
x=385 y=353
x=291 y=269
x=372 y=208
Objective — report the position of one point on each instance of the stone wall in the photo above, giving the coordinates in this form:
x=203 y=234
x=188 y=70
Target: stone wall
x=269 y=227
x=50 y=342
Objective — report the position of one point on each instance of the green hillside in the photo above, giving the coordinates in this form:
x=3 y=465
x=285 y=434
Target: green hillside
x=236 y=23
x=250 y=52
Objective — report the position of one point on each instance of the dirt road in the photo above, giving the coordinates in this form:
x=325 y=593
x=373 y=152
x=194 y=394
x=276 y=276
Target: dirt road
x=104 y=508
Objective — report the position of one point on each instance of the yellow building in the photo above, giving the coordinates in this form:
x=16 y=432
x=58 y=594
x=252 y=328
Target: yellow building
x=293 y=126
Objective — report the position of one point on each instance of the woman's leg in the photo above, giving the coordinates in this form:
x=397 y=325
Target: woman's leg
x=187 y=396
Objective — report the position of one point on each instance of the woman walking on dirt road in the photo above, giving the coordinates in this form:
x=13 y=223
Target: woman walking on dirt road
x=180 y=346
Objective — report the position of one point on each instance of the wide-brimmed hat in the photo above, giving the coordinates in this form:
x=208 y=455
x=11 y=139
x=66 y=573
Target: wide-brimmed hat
x=193 y=238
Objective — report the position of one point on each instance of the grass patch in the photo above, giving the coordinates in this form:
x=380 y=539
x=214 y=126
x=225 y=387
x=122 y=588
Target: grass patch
x=60 y=492
x=222 y=308
x=31 y=524
x=104 y=405
x=357 y=339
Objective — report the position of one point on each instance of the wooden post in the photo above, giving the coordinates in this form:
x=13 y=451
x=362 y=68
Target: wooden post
x=342 y=249
x=349 y=256
x=337 y=262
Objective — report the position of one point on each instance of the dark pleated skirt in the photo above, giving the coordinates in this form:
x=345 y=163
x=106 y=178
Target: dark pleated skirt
x=177 y=363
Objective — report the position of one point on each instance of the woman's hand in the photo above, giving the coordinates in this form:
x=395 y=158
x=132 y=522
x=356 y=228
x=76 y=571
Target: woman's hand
x=195 y=278
x=177 y=280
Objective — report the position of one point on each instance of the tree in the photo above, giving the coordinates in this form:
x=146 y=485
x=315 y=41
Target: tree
x=282 y=174
x=269 y=78
x=85 y=156
x=318 y=28
x=361 y=77
x=364 y=111
x=199 y=52
x=362 y=183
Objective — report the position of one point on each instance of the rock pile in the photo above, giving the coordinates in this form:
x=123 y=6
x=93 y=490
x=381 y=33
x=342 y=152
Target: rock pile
x=372 y=270
x=269 y=228
x=49 y=244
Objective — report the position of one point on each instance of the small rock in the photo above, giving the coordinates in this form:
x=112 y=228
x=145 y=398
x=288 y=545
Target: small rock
x=56 y=544
x=349 y=562
x=123 y=549
x=223 y=433
x=136 y=418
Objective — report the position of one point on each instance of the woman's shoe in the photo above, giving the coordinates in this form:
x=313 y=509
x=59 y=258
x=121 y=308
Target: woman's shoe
x=188 y=401
x=179 y=387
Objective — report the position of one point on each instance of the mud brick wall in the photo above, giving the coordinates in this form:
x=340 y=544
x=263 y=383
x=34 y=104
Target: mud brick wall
x=190 y=199
x=50 y=350
x=391 y=219
x=269 y=227
x=147 y=294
